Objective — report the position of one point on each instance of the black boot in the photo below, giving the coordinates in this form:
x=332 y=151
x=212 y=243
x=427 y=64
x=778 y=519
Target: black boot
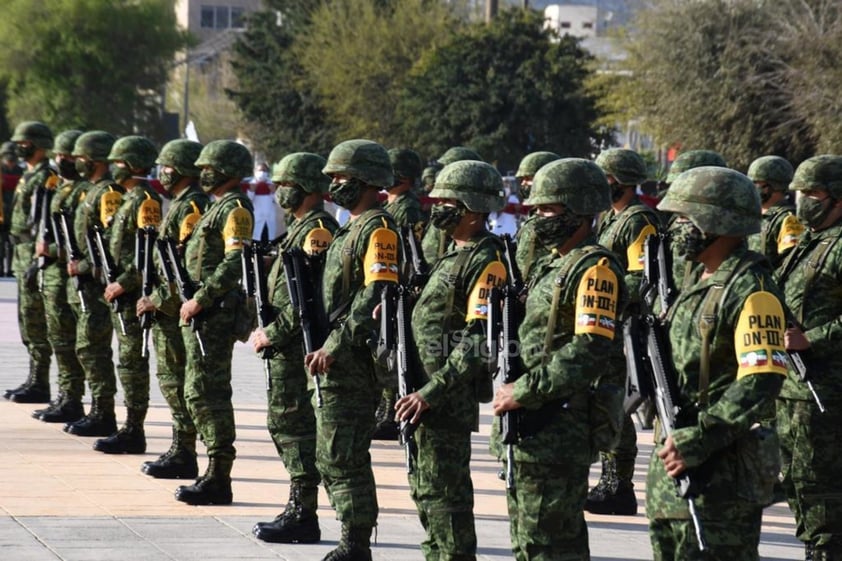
x=98 y=422
x=299 y=522
x=30 y=391
x=128 y=440
x=179 y=462
x=67 y=410
x=51 y=407
x=355 y=545
x=213 y=488
x=612 y=495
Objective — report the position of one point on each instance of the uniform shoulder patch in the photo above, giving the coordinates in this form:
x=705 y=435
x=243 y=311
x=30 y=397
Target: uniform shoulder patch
x=493 y=275
x=149 y=213
x=109 y=202
x=317 y=240
x=52 y=182
x=790 y=233
x=596 y=301
x=188 y=223
x=635 y=252
x=238 y=229
x=759 y=336
x=381 y=256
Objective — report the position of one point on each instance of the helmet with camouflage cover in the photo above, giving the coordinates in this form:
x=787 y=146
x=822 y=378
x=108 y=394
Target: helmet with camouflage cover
x=303 y=169
x=626 y=166
x=775 y=171
x=65 y=141
x=694 y=159
x=9 y=148
x=406 y=163
x=229 y=158
x=479 y=186
x=428 y=176
x=819 y=172
x=137 y=151
x=531 y=163
x=94 y=145
x=716 y=199
x=361 y=159
x=35 y=132
x=459 y=154
x=181 y=155
x=578 y=184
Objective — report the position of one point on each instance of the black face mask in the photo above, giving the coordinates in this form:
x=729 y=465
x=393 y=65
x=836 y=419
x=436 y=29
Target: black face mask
x=290 y=198
x=617 y=192
x=211 y=180
x=813 y=212
x=524 y=190
x=67 y=169
x=689 y=241
x=85 y=168
x=446 y=217
x=120 y=173
x=168 y=179
x=26 y=152
x=552 y=231
x=346 y=192
x=765 y=193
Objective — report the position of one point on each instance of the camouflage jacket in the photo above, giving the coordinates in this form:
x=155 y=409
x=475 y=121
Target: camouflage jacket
x=62 y=199
x=101 y=201
x=184 y=212
x=309 y=233
x=406 y=210
x=141 y=207
x=529 y=249
x=555 y=386
x=213 y=255
x=747 y=362
x=24 y=220
x=811 y=279
x=780 y=230
x=449 y=326
x=434 y=244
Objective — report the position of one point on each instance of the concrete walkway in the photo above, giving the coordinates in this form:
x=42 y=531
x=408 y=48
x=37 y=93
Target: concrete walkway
x=61 y=500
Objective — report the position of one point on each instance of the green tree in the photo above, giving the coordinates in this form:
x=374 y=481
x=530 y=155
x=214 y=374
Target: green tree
x=89 y=63
x=506 y=89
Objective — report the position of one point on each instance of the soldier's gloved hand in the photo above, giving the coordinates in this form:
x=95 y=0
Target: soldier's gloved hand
x=30 y=276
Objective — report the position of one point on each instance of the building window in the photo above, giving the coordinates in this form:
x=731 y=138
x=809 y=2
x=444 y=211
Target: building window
x=207 y=17
x=222 y=17
x=587 y=25
x=237 y=18
x=565 y=25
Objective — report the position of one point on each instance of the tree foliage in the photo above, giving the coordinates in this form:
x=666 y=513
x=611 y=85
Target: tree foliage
x=88 y=63
x=506 y=89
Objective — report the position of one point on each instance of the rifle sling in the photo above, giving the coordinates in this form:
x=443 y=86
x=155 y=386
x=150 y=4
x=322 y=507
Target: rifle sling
x=456 y=278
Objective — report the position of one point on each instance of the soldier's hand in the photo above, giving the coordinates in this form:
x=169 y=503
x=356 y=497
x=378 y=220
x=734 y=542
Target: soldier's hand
x=144 y=305
x=73 y=268
x=375 y=313
x=189 y=309
x=260 y=340
x=794 y=339
x=672 y=459
x=504 y=399
x=41 y=248
x=318 y=362
x=113 y=290
x=410 y=407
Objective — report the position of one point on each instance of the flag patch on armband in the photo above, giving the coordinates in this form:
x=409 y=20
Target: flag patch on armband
x=754 y=358
x=780 y=359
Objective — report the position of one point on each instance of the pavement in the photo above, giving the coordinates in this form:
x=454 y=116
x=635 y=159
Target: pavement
x=60 y=500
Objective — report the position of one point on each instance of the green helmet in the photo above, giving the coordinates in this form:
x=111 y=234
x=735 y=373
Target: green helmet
x=773 y=170
x=227 y=157
x=406 y=163
x=181 y=155
x=626 y=166
x=94 y=145
x=303 y=169
x=717 y=200
x=137 y=151
x=819 y=172
x=361 y=159
x=9 y=149
x=578 y=184
x=479 y=186
x=694 y=159
x=428 y=176
x=531 y=163
x=35 y=132
x=458 y=154
x=65 y=141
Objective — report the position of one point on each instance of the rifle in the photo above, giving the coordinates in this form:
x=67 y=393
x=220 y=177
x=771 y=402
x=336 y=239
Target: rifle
x=109 y=271
x=144 y=242
x=64 y=219
x=303 y=274
x=505 y=312
x=803 y=374
x=254 y=281
x=176 y=274
x=46 y=233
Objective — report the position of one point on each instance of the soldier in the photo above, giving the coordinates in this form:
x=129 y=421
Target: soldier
x=529 y=250
x=362 y=259
x=213 y=258
x=811 y=281
x=10 y=173
x=291 y=420
x=33 y=140
x=780 y=228
x=179 y=176
x=96 y=198
x=133 y=158
x=453 y=309
x=726 y=334
x=61 y=322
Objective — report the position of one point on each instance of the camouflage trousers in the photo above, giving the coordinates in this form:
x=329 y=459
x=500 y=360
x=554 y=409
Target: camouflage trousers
x=546 y=509
x=31 y=317
x=171 y=360
x=625 y=453
x=732 y=532
x=132 y=366
x=443 y=492
x=207 y=381
x=93 y=343
x=61 y=331
x=810 y=467
x=290 y=419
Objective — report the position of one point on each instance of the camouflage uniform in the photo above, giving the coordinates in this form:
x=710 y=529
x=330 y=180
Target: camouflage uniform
x=406 y=210
x=724 y=427
x=810 y=280
x=529 y=249
x=780 y=229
